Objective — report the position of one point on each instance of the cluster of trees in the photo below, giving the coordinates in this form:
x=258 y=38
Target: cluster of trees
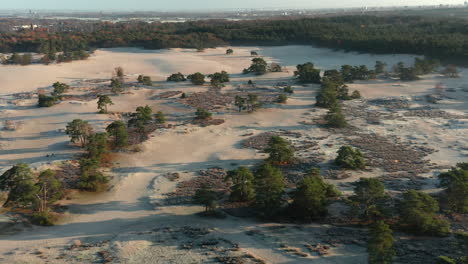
x=259 y=67
x=18 y=59
x=437 y=37
x=145 y=80
x=98 y=145
x=420 y=67
x=118 y=80
x=48 y=101
x=35 y=192
x=417 y=212
x=218 y=79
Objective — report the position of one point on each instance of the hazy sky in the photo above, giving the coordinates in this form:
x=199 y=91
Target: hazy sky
x=155 y=5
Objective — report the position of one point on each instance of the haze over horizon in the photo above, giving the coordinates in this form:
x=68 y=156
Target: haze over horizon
x=187 y=5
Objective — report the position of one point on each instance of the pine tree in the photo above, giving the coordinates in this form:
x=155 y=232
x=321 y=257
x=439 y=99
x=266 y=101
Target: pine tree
x=103 y=102
x=269 y=189
x=242 y=184
x=380 y=245
x=118 y=130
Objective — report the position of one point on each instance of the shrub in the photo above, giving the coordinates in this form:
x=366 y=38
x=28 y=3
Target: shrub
x=356 y=95
x=350 y=158
x=43 y=218
x=282 y=98
x=47 y=101
x=160 y=118
x=335 y=118
x=202 y=114
x=288 y=89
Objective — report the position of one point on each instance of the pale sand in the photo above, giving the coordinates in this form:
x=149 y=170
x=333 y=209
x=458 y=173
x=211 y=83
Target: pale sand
x=139 y=182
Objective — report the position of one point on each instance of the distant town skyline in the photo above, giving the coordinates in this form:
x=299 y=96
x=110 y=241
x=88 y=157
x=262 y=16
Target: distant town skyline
x=187 y=5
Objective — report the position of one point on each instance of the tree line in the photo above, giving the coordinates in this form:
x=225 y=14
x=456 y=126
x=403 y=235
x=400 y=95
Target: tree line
x=435 y=37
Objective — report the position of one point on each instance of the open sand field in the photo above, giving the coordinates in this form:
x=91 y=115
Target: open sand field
x=133 y=221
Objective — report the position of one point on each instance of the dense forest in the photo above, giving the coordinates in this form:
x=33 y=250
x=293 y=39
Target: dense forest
x=388 y=34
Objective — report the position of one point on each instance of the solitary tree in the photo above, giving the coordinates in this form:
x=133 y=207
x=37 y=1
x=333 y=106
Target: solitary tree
x=350 y=158
x=118 y=130
x=258 y=66
x=418 y=214
x=269 y=189
x=253 y=53
x=79 y=131
x=455 y=184
x=380 y=245
x=242 y=184
x=229 y=52
x=103 y=102
x=279 y=150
